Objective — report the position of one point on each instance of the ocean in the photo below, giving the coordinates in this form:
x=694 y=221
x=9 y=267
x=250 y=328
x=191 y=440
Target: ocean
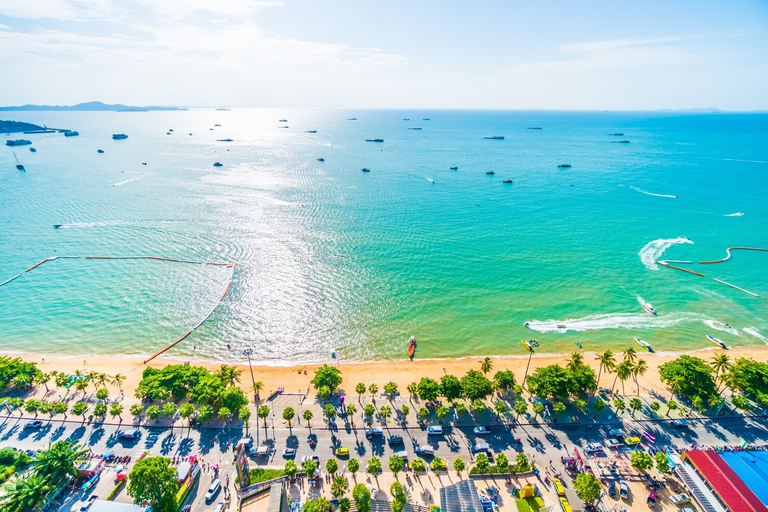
x=329 y=259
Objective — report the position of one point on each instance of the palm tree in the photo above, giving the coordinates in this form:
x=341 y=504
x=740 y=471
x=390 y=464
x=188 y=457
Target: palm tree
x=623 y=372
x=101 y=380
x=257 y=387
x=575 y=361
x=605 y=361
x=28 y=493
x=721 y=363
x=384 y=413
x=630 y=355
x=486 y=365
x=42 y=378
x=118 y=380
x=638 y=370
x=58 y=461
x=229 y=375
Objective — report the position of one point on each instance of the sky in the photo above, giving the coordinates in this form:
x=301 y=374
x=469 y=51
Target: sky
x=543 y=54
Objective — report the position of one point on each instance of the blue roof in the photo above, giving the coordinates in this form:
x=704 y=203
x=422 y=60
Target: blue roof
x=752 y=468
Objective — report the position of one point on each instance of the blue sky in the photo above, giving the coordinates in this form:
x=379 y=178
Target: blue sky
x=396 y=54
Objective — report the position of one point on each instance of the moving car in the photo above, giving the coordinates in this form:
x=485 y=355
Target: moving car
x=85 y=506
x=289 y=453
x=129 y=434
x=425 y=450
x=612 y=489
x=481 y=431
x=313 y=458
x=434 y=430
x=393 y=440
x=593 y=448
x=481 y=447
x=612 y=443
x=341 y=452
x=35 y=424
x=631 y=441
x=558 y=486
x=624 y=489
x=213 y=490
x=565 y=505
x=374 y=432
x=616 y=432
x=680 y=423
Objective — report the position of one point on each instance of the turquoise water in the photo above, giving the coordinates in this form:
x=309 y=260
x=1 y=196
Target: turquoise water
x=330 y=258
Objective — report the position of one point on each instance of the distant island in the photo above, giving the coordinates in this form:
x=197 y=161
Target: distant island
x=94 y=106
x=18 y=126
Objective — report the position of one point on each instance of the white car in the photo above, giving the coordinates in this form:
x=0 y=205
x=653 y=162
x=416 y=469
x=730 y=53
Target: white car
x=314 y=458
x=481 y=431
x=593 y=448
x=612 y=443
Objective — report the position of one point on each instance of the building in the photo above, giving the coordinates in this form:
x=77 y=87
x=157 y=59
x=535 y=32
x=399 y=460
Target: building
x=730 y=481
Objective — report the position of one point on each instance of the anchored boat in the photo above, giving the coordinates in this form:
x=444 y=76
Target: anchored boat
x=716 y=341
x=644 y=344
x=411 y=346
x=530 y=344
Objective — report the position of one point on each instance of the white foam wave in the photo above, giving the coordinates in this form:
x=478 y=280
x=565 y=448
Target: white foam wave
x=129 y=180
x=651 y=193
x=614 y=321
x=720 y=326
x=737 y=214
x=754 y=332
x=653 y=251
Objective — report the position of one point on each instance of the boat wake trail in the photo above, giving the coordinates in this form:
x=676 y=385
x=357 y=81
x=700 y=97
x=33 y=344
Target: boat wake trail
x=714 y=324
x=129 y=180
x=653 y=251
x=737 y=214
x=651 y=193
x=754 y=332
x=614 y=321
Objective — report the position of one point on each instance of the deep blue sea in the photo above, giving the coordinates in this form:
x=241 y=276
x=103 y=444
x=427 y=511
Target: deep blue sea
x=328 y=258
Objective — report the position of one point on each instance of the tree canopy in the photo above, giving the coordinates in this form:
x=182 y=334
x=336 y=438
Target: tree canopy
x=555 y=381
x=588 y=487
x=327 y=376
x=504 y=379
x=15 y=373
x=450 y=387
x=428 y=389
x=689 y=376
x=362 y=497
x=153 y=480
x=475 y=386
x=749 y=376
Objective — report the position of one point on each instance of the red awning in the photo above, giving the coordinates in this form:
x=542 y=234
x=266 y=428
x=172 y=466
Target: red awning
x=724 y=481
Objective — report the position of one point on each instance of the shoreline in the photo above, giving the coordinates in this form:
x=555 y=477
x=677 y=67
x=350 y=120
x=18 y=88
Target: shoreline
x=294 y=379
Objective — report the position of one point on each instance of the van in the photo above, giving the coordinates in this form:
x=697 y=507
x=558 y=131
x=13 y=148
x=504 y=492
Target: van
x=403 y=454
x=481 y=447
x=425 y=450
x=213 y=490
x=435 y=430
x=374 y=432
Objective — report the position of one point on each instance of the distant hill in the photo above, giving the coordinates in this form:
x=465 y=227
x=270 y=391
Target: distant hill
x=95 y=106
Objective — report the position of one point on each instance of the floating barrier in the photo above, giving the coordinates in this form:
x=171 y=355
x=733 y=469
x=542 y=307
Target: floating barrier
x=728 y=251
x=11 y=279
x=664 y=263
x=225 y=291
x=734 y=286
x=38 y=264
x=158 y=258
x=168 y=347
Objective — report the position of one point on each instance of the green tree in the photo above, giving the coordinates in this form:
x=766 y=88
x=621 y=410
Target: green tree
x=437 y=464
x=520 y=407
x=655 y=406
x=458 y=465
x=581 y=405
x=152 y=480
x=662 y=462
x=229 y=375
x=605 y=362
x=450 y=387
x=153 y=412
x=25 y=494
x=329 y=411
x=324 y=393
x=417 y=465
x=360 y=390
x=522 y=465
x=619 y=404
x=79 y=409
x=244 y=414
x=461 y=408
x=32 y=406
x=362 y=497
x=689 y=376
x=331 y=466
x=345 y=505
x=630 y=354
x=741 y=402
x=385 y=412
x=405 y=410
x=486 y=365
x=576 y=360
x=309 y=467
x=538 y=408
x=504 y=380
x=102 y=394
x=639 y=369
x=373 y=388
x=599 y=405
x=186 y=411
x=671 y=406
x=623 y=372
x=308 y=417
x=478 y=407
x=441 y=412
x=319 y=504
x=351 y=410
x=224 y=413
x=482 y=464
x=475 y=386
x=204 y=413
x=635 y=404
x=502 y=462
x=169 y=409
x=291 y=468
x=100 y=410
x=116 y=409
x=423 y=413
x=369 y=410
x=327 y=375
x=262 y=413
x=588 y=487
x=428 y=389
x=58 y=461
x=550 y=381
x=500 y=407
x=374 y=465
x=136 y=410
x=288 y=415
x=413 y=389
x=396 y=464
x=558 y=407
x=353 y=466
x=641 y=461
x=118 y=380
x=390 y=388
x=339 y=487
x=399 y=498
x=60 y=408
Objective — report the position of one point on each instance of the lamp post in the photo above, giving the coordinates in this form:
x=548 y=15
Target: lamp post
x=247 y=353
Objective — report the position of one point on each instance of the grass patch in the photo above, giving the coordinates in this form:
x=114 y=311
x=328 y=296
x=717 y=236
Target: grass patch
x=262 y=475
x=529 y=504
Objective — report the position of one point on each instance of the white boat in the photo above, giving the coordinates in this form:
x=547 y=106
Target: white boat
x=649 y=308
x=716 y=341
x=644 y=344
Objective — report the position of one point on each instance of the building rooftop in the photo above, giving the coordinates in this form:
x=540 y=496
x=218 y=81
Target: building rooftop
x=724 y=481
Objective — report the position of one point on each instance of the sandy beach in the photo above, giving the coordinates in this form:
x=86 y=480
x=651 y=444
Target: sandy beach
x=294 y=379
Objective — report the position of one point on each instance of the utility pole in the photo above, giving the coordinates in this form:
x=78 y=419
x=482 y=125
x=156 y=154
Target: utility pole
x=247 y=352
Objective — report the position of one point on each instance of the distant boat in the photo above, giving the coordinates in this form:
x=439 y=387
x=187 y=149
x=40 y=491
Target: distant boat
x=311 y=131
x=411 y=346
x=620 y=141
x=351 y=119
x=223 y=140
x=217 y=164
x=57 y=226
x=119 y=136
x=454 y=168
x=406 y=119
x=286 y=126
x=18 y=164
x=507 y=181
x=530 y=344
x=99 y=150
x=490 y=173
x=321 y=159
x=213 y=125
x=649 y=308
x=495 y=137
x=374 y=140
x=534 y=127
x=280 y=121
x=414 y=128
x=365 y=169
x=73 y=133
x=171 y=129
x=33 y=150
x=18 y=142
x=564 y=166
x=426 y=119
x=644 y=344
x=561 y=326
x=579 y=345
x=617 y=134
x=716 y=341
x=430 y=180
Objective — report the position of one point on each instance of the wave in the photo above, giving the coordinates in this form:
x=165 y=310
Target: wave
x=614 y=321
x=754 y=332
x=737 y=214
x=653 y=251
x=135 y=178
x=651 y=193
x=720 y=326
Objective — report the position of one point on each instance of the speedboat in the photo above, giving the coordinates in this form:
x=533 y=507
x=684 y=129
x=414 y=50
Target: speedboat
x=490 y=173
x=495 y=137
x=351 y=119
x=534 y=127
x=454 y=168
x=119 y=136
x=617 y=134
x=374 y=140
x=33 y=150
x=530 y=344
x=220 y=125
x=365 y=169
x=18 y=142
x=20 y=167
x=281 y=121
x=649 y=308
x=716 y=341
x=223 y=140
x=71 y=133
x=644 y=344
x=99 y=150
x=414 y=128
x=564 y=166
x=217 y=164
x=426 y=119
x=311 y=131
x=321 y=159
x=507 y=181
x=411 y=346
x=57 y=226
x=620 y=141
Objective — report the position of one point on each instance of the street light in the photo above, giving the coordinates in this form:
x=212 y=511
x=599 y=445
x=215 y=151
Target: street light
x=247 y=353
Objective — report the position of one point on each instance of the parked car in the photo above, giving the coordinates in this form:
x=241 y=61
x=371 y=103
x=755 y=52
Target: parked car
x=593 y=448
x=616 y=432
x=481 y=447
x=624 y=489
x=481 y=431
x=612 y=489
x=393 y=440
x=612 y=443
x=213 y=490
x=289 y=453
x=434 y=430
x=313 y=458
x=34 y=424
x=565 y=505
x=85 y=506
x=341 y=452
x=403 y=454
x=680 y=423
x=425 y=450
x=374 y=432
x=559 y=489
x=632 y=441
x=246 y=441
x=129 y=434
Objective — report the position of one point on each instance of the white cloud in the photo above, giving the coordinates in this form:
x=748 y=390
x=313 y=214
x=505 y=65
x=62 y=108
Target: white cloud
x=614 y=44
x=64 y=10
